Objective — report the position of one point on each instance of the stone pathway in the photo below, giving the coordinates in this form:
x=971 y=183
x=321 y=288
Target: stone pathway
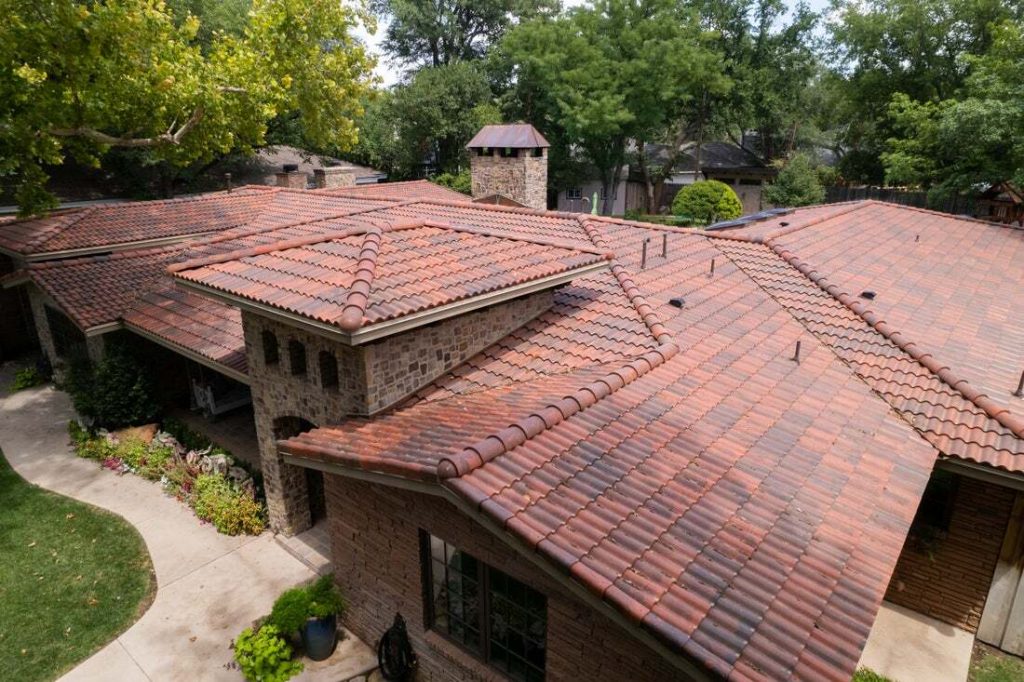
x=209 y=586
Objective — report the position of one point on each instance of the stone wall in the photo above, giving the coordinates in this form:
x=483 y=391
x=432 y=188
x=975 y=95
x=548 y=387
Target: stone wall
x=375 y=541
x=371 y=377
x=38 y=302
x=523 y=178
x=400 y=365
x=334 y=176
x=292 y=179
x=949 y=578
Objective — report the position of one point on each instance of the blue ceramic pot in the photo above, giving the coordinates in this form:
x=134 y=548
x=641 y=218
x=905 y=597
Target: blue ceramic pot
x=319 y=637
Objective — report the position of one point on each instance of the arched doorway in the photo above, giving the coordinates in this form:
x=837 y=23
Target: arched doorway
x=289 y=427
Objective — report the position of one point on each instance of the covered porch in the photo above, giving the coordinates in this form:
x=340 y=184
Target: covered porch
x=957 y=581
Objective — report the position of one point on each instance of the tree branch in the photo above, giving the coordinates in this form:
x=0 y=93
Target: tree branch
x=172 y=137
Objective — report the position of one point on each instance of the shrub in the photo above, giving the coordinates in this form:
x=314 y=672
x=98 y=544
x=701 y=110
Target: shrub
x=460 y=182
x=155 y=462
x=707 y=201
x=89 y=446
x=26 y=377
x=868 y=675
x=230 y=510
x=131 y=451
x=797 y=184
x=264 y=656
x=290 y=610
x=325 y=599
x=320 y=599
x=116 y=392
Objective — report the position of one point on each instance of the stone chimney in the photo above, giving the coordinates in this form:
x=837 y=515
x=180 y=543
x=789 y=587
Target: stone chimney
x=510 y=161
x=291 y=177
x=334 y=176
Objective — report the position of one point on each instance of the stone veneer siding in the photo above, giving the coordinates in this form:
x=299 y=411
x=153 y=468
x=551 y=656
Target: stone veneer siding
x=375 y=541
x=38 y=301
x=334 y=176
x=371 y=377
x=950 y=583
x=523 y=178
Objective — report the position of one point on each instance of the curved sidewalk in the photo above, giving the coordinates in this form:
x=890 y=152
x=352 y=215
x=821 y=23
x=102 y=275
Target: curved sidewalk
x=209 y=586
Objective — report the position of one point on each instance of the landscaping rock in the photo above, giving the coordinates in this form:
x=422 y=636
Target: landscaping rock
x=144 y=433
x=238 y=475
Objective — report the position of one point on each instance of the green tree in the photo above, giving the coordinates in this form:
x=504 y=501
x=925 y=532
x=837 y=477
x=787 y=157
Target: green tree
x=600 y=78
x=976 y=138
x=432 y=116
x=797 y=183
x=920 y=48
x=445 y=31
x=707 y=201
x=127 y=75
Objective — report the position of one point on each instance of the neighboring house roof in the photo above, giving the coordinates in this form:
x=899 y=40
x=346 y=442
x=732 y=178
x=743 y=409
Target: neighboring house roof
x=352 y=274
x=1004 y=191
x=510 y=136
x=714 y=156
x=263 y=167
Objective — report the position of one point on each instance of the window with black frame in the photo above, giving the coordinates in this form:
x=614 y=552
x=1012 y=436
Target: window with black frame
x=492 y=615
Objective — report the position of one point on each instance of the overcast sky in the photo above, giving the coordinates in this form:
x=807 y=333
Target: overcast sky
x=390 y=73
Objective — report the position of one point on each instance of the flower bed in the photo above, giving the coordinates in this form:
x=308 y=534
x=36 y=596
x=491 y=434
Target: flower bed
x=207 y=478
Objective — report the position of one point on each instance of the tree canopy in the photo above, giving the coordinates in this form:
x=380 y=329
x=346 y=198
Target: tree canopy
x=87 y=77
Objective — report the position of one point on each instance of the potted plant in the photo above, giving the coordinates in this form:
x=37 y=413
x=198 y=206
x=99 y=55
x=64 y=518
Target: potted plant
x=311 y=611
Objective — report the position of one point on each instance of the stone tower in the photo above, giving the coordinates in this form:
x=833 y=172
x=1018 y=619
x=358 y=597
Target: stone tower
x=510 y=161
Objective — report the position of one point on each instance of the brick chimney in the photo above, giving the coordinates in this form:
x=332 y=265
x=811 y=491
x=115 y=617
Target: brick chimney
x=291 y=177
x=334 y=176
x=510 y=161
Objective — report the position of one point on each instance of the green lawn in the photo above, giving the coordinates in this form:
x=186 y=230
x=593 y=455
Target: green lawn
x=992 y=665
x=72 y=577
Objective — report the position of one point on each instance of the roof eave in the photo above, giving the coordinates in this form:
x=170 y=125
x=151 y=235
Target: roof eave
x=402 y=324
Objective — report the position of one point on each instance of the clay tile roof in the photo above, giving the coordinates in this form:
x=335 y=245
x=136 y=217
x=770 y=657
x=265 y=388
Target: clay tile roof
x=744 y=508
x=514 y=136
x=364 y=275
x=942 y=332
x=194 y=325
x=399 y=191
x=111 y=225
x=96 y=290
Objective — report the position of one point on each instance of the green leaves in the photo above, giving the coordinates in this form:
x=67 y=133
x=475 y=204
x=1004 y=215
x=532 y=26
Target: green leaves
x=797 y=184
x=81 y=78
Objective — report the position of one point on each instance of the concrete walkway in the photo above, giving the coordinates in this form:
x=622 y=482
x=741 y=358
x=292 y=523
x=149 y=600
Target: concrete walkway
x=906 y=646
x=210 y=585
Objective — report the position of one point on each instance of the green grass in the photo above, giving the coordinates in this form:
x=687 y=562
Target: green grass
x=868 y=675
x=991 y=665
x=72 y=577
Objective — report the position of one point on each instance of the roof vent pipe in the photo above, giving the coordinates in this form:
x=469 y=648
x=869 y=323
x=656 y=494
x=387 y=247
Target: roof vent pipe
x=1020 y=387
x=664 y=245
x=643 y=254
x=796 y=354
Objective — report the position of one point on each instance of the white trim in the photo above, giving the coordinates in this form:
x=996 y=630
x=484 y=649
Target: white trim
x=190 y=354
x=404 y=323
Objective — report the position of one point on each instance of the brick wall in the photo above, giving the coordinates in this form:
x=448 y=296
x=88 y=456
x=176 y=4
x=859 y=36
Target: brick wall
x=950 y=579
x=374 y=533
x=523 y=178
x=371 y=377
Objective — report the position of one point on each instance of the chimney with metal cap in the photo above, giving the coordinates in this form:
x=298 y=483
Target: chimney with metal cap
x=291 y=177
x=510 y=161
